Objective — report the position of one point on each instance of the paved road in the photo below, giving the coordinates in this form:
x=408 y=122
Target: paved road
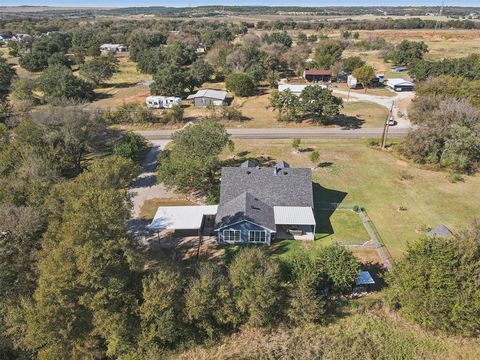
x=290 y=133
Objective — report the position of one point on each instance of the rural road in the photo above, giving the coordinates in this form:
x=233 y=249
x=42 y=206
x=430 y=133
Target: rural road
x=290 y=133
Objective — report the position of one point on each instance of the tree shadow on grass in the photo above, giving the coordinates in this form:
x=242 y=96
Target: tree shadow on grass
x=378 y=273
x=347 y=122
x=262 y=161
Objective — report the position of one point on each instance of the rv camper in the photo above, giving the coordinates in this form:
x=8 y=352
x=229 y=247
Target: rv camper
x=160 y=102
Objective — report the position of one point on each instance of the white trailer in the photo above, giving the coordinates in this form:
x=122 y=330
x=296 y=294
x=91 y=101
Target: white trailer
x=352 y=82
x=161 y=102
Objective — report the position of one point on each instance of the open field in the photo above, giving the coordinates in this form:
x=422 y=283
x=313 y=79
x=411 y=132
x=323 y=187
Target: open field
x=441 y=43
x=350 y=172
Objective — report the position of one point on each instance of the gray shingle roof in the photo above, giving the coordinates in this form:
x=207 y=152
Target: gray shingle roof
x=273 y=186
x=245 y=207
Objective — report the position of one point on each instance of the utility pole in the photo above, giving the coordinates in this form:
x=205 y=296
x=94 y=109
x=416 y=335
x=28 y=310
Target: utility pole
x=385 y=127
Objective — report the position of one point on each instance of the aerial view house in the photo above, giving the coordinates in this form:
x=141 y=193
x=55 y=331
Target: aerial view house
x=207 y=97
x=257 y=205
x=317 y=75
x=400 y=84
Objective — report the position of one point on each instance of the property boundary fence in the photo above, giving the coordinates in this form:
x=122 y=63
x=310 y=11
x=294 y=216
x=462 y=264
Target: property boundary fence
x=376 y=240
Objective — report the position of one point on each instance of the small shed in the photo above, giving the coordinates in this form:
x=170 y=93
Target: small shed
x=182 y=217
x=441 y=231
x=400 y=85
x=207 y=97
x=317 y=75
x=364 y=282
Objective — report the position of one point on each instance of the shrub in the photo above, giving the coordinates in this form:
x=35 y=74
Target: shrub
x=175 y=114
x=240 y=84
x=131 y=114
x=129 y=146
x=230 y=113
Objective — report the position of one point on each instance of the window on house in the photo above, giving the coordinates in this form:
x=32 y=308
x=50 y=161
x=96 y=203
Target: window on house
x=257 y=236
x=231 y=235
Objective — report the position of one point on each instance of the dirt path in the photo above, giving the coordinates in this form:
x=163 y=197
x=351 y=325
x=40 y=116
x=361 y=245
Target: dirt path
x=145 y=186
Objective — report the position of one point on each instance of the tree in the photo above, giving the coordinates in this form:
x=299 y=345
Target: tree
x=351 y=63
x=286 y=103
x=71 y=133
x=99 y=69
x=314 y=157
x=408 y=52
x=435 y=284
x=306 y=305
x=365 y=75
x=84 y=304
x=256 y=284
x=281 y=38
x=22 y=89
x=129 y=146
x=58 y=82
x=209 y=302
x=340 y=266
x=191 y=162
x=7 y=73
x=169 y=80
x=175 y=114
x=466 y=67
x=240 y=84
x=199 y=72
x=445 y=86
x=296 y=143
x=319 y=104
x=328 y=52
x=446 y=134
x=162 y=324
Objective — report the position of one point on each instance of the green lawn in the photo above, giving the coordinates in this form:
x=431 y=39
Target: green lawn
x=350 y=172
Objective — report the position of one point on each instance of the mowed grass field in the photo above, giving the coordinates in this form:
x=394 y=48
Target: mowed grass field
x=401 y=198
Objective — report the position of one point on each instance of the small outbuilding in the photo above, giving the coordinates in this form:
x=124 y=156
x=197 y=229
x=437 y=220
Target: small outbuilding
x=363 y=283
x=207 y=97
x=400 y=85
x=441 y=231
x=317 y=75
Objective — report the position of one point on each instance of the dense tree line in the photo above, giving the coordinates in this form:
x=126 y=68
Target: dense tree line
x=467 y=67
x=436 y=283
x=446 y=135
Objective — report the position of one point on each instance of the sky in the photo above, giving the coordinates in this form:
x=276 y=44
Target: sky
x=130 y=3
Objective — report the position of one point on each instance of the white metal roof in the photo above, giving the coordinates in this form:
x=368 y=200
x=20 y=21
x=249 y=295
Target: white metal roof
x=292 y=87
x=181 y=217
x=209 y=93
x=364 y=278
x=399 y=82
x=293 y=215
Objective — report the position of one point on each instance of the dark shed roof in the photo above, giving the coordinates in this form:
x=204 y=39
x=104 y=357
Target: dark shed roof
x=440 y=231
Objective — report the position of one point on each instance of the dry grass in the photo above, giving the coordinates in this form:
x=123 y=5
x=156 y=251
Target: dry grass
x=150 y=206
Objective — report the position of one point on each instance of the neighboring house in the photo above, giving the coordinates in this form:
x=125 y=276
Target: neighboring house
x=400 y=85
x=317 y=75
x=441 y=231
x=207 y=97
x=114 y=48
x=160 y=102
x=257 y=205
